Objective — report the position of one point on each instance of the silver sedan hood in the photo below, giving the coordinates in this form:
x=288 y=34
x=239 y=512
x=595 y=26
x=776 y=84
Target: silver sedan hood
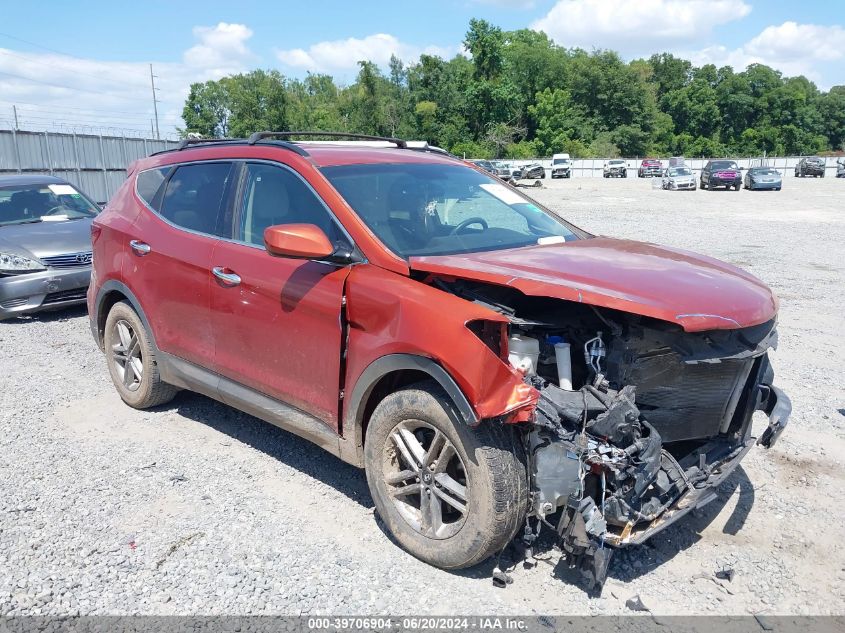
x=45 y=239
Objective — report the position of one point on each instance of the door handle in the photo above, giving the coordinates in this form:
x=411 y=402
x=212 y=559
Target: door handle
x=139 y=247
x=229 y=279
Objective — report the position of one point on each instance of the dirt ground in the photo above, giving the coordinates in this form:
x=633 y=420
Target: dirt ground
x=195 y=508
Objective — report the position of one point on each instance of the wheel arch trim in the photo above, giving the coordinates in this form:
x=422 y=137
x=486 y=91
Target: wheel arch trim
x=354 y=423
x=96 y=318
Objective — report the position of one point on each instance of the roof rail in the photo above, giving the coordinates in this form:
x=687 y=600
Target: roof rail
x=400 y=143
x=188 y=142
x=196 y=141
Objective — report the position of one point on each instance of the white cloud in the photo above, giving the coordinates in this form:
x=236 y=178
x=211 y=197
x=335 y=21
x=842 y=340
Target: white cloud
x=791 y=41
x=635 y=27
x=60 y=92
x=221 y=46
x=345 y=54
x=792 y=48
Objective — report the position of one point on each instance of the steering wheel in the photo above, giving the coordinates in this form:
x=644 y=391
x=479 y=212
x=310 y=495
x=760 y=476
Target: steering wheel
x=468 y=222
x=55 y=210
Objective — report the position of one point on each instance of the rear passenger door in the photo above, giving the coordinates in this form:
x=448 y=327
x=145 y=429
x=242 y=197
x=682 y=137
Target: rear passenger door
x=277 y=320
x=171 y=246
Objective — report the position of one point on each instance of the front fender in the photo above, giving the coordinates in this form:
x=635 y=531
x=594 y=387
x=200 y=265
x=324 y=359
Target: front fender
x=390 y=314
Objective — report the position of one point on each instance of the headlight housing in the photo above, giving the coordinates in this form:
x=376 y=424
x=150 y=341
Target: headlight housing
x=11 y=263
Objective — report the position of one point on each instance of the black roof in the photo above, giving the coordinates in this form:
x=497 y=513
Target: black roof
x=30 y=179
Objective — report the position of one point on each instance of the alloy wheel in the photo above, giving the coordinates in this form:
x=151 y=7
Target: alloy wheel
x=426 y=479
x=126 y=354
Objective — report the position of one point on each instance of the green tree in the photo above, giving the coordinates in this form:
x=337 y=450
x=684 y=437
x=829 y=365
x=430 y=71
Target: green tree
x=485 y=41
x=207 y=110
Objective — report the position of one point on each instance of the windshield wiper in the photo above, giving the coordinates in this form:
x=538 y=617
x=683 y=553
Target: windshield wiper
x=32 y=221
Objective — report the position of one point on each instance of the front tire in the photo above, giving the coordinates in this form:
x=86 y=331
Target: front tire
x=450 y=494
x=131 y=360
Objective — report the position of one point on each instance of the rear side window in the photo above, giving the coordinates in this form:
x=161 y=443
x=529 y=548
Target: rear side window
x=275 y=195
x=149 y=184
x=194 y=196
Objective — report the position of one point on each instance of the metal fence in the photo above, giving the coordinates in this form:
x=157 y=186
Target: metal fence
x=95 y=164
x=593 y=167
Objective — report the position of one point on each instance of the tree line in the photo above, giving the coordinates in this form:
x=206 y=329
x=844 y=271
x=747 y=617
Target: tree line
x=520 y=95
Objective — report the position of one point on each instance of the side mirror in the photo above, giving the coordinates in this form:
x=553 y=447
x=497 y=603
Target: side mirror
x=299 y=241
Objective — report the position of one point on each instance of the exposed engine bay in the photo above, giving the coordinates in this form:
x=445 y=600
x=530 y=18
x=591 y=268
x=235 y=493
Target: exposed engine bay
x=637 y=421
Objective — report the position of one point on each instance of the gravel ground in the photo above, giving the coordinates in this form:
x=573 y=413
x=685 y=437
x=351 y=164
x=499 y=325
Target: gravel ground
x=195 y=508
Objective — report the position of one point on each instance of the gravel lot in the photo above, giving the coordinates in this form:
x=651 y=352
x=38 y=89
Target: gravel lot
x=195 y=508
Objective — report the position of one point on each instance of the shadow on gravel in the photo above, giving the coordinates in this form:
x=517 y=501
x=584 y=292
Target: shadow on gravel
x=65 y=314
x=286 y=447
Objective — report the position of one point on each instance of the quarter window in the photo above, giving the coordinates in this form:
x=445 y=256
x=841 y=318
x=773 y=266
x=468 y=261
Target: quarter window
x=274 y=195
x=194 y=197
x=149 y=184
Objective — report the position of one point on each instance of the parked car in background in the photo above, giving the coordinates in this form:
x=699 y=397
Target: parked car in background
x=810 y=166
x=398 y=308
x=506 y=171
x=840 y=168
x=615 y=168
x=721 y=173
x=45 y=244
x=649 y=168
x=763 y=178
x=561 y=166
x=679 y=179
x=534 y=170
x=486 y=165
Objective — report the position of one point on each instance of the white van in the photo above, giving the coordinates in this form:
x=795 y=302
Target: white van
x=561 y=166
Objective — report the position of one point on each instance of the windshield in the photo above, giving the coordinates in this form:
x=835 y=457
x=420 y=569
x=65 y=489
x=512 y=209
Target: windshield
x=616 y=162
x=765 y=171
x=21 y=204
x=680 y=171
x=443 y=209
x=560 y=161
x=723 y=164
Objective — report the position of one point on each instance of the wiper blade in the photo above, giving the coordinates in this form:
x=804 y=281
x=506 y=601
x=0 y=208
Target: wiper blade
x=32 y=221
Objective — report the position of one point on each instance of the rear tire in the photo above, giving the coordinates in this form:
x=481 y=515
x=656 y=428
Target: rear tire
x=419 y=492
x=131 y=360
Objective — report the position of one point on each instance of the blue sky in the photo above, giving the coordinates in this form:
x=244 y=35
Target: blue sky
x=85 y=63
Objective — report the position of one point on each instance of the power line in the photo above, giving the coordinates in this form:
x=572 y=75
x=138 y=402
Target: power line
x=46 y=48
x=66 y=69
x=48 y=114
x=64 y=108
x=46 y=83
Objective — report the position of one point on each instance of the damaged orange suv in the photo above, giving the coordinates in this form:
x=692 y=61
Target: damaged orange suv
x=493 y=368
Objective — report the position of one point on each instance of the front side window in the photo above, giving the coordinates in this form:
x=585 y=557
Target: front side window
x=275 y=195
x=60 y=202
x=194 y=196
x=440 y=209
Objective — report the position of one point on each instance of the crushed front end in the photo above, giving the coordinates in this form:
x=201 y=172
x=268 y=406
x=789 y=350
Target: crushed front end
x=661 y=418
x=637 y=420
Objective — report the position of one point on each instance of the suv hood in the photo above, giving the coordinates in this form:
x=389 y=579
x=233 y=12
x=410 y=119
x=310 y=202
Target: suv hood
x=44 y=239
x=697 y=292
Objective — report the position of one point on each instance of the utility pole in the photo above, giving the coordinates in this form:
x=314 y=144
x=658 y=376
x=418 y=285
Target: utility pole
x=155 y=101
x=15 y=110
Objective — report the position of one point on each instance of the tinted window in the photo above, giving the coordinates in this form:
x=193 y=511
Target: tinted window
x=275 y=195
x=149 y=184
x=439 y=209
x=194 y=196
